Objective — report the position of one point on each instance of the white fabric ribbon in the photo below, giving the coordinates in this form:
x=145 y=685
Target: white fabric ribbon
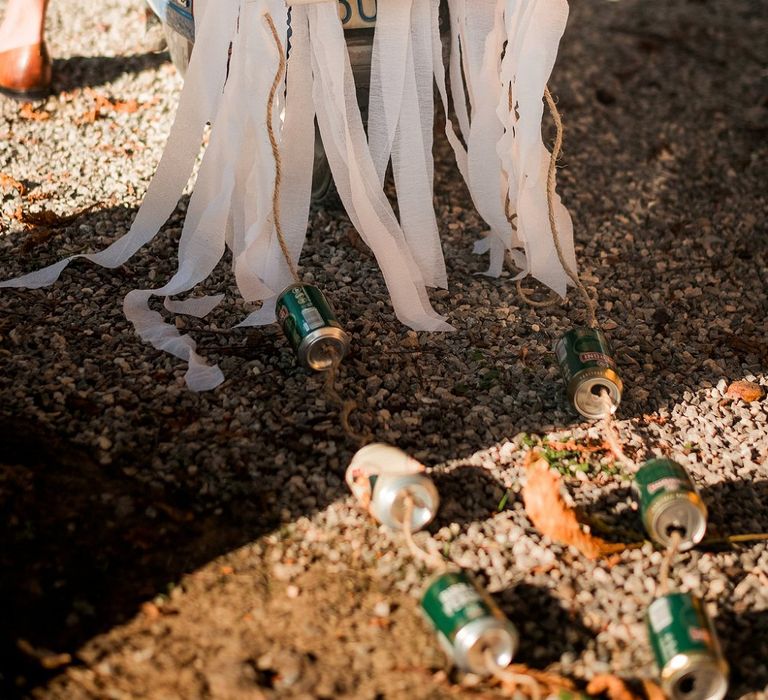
x=534 y=30
x=354 y=172
x=198 y=103
x=501 y=50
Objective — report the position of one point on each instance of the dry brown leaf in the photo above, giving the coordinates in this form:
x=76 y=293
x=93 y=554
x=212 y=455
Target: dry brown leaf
x=51 y=219
x=101 y=104
x=547 y=683
x=652 y=691
x=28 y=111
x=612 y=686
x=47 y=659
x=574 y=446
x=744 y=390
x=552 y=516
x=11 y=183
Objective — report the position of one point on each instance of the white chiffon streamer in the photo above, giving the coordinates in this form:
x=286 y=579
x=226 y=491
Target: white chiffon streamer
x=502 y=53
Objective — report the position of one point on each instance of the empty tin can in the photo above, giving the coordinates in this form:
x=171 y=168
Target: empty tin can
x=311 y=327
x=382 y=477
x=686 y=649
x=588 y=367
x=468 y=622
x=669 y=502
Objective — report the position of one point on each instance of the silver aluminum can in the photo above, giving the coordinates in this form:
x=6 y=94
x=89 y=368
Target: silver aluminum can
x=468 y=622
x=382 y=477
x=670 y=502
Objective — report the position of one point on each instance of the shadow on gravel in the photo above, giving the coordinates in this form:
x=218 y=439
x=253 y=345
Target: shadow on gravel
x=90 y=71
x=727 y=502
x=83 y=545
x=455 y=506
x=536 y=613
x=744 y=638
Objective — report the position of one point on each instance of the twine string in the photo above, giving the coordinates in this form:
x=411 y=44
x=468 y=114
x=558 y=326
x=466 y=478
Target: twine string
x=431 y=559
x=346 y=406
x=510 y=677
x=666 y=562
x=556 y=150
x=276 y=151
x=551 y=187
x=611 y=433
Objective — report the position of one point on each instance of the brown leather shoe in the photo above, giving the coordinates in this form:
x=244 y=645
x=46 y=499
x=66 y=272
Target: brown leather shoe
x=25 y=72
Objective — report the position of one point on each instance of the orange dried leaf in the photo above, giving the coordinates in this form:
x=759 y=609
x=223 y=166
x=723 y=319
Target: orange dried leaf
x=10 y=183
x=652 y=691
x=552 y=516
x=744 y=390
x=28 y=111
x=612 y=686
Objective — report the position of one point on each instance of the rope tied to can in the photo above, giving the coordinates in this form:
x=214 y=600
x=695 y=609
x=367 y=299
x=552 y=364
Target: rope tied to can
x=510 y=677
x=666 y=563
x=346 y=406
x=589 y=302
x=611 y=432
x=279 y=74
x=431 y=559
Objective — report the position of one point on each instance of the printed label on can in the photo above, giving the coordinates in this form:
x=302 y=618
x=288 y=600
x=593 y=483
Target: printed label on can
x=667 y=484
x=598 y=357
x=660 y=615
x=302 y=309
x=312 y=318
x=453 y=600
x=677 y=624
x=582 y=349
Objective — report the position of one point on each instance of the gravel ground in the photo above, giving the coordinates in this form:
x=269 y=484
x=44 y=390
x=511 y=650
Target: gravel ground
x=182 y=546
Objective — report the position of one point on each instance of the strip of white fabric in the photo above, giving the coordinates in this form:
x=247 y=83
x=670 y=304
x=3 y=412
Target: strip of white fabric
x=354 y=172
x=502 y=55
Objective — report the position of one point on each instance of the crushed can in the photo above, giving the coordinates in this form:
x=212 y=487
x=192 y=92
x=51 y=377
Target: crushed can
x=586 y=362
x=468 y=622
x=669 y=502
x=686 y=649
x=311 y=326
x=382 y=476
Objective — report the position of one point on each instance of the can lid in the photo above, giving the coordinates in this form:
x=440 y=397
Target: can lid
x=697 y=678
x=325 y=346
x=587 y=396
x=484 y=636
x=425 y=502
x=682 y=513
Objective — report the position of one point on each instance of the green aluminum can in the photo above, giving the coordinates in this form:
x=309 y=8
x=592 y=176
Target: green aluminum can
x=669 y=502
x=686 y=649
x=588 y=367
x=311 y=327
x=468 y=622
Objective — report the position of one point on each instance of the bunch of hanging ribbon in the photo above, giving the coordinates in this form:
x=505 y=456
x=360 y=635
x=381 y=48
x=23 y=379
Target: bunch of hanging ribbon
x=502 y=53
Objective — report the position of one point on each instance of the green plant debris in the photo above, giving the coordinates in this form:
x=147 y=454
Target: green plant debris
x=503 y=502
x=572 y=457
x=489 y=379
x=461 y=389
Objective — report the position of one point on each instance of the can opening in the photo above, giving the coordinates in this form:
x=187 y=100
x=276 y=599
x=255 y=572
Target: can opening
x=687 y=684
x=675 y=527
x=598 y=389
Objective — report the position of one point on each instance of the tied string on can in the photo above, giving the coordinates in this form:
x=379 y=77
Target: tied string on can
x=666 y=562
x=572 y=274
x=611 y=433
x=346 y=406
x=431 y=559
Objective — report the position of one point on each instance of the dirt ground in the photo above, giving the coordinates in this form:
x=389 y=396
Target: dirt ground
x=162 y=545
